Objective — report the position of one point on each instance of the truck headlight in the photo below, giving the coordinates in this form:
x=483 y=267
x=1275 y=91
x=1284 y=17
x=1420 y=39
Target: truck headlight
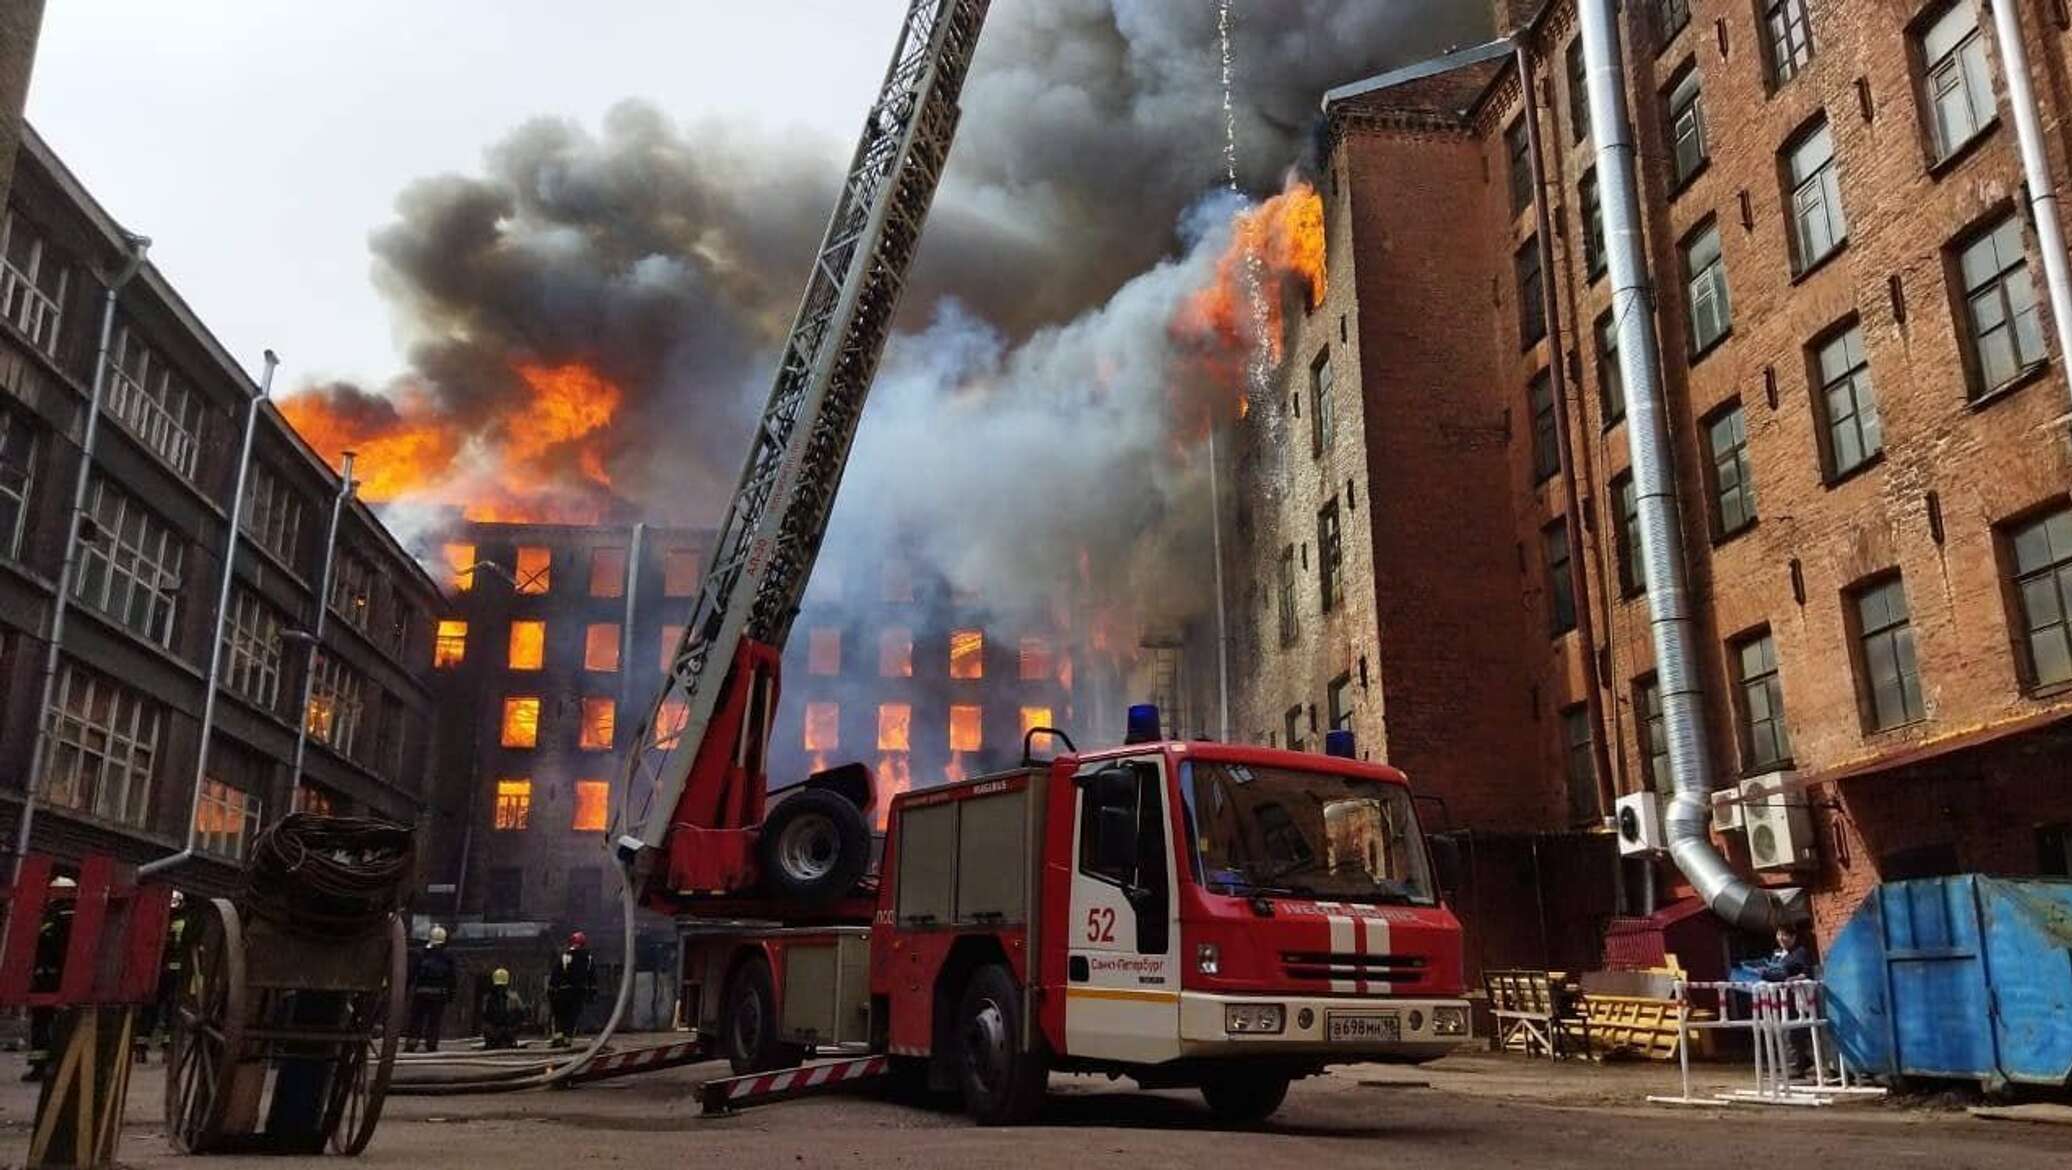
x=1450 y=1021
x=1254 y=1019
x=1208 y=958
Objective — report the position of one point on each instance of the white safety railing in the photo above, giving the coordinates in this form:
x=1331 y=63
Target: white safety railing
x=1776 y=1011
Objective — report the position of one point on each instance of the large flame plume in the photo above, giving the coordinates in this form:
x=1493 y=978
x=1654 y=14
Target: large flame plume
x=1236 y=324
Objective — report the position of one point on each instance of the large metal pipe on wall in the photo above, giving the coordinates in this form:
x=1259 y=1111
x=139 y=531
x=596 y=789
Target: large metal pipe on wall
x=1677 y=663
x=316 y=631
x=2043 y=192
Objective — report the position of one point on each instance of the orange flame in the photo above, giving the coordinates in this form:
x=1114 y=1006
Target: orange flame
x=893 y=779
x=1274 y=247
x=954 y=772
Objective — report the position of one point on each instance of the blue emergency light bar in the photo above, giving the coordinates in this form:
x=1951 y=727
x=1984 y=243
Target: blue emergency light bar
x=1339 y=743
x=1143 y=724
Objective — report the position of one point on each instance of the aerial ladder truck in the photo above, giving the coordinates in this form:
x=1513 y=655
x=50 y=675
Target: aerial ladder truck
x=1183 y=913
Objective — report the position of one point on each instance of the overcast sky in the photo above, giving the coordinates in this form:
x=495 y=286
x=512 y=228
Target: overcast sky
x=258 y=143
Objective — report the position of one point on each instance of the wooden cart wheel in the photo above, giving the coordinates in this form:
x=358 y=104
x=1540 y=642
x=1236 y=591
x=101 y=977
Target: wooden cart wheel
x=361 y=1081
x=208 y=1027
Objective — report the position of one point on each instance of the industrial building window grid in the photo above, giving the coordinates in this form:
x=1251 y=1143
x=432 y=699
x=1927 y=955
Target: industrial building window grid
x=1885 y=655
x=513 y=805
x=1592 y=212
x=1324 y=412
x=2000 y=302
x=1517 y=145
x=2042 y=560
x=1957 y=80
x=1759 y=703
x=1578 y=91
x=129 y=564
x=1686 y=121
x=1790 y=37
x=1654 y=735
x=534 y=571
x=103 y=742
x=17 y=477
x=1633 y=570
x=1848 y=406
x=153 y=400
x=1733 y=473
x=1705 y=287
x=1819 y=225
x=967 y=654
x=1546 y=440
x=1338 y=702
x=226 y=820
x=273 y=513
x=1611 y=380
x=1561 y=593
x=450 y=645
x=1330 y=556
x=32 y=284
x=1532 y=294
x=1580 y=764
x=352 y=589
x=1670 y=18
x=252 y=649
x=337 y=700
x=1285 y=595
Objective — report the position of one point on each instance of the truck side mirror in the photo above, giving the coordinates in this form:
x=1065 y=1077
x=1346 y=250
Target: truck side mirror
x=1446 y=873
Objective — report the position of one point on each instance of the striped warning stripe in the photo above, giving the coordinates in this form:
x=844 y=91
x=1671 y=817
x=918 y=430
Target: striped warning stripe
x=799 y=1079
x=640 y=1060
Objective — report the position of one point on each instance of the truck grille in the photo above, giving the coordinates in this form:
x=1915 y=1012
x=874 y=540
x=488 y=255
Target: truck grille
x=1322 y=966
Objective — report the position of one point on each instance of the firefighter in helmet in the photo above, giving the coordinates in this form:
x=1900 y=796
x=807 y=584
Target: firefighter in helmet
x=156 y=1020
x=431 y=989
x=503 y=1013
x=47 y=968
x=571 y=983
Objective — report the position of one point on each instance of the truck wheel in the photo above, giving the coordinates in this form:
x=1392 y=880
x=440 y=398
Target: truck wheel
x=1244 y=1098
x=815 y=847
x=748 y=1023
x=1002 y=1081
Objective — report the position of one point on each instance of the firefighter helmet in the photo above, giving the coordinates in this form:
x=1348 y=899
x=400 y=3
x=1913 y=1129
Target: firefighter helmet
x=438 y=936
x=578 y=940
x=500 y=977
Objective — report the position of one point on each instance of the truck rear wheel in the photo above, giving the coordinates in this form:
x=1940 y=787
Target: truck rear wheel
x=1002 y=1079
x=815 y=847
x=1245 y=1098
x=748 y=1022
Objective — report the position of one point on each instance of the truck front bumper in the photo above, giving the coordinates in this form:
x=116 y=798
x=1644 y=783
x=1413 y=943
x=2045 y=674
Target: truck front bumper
x=1368 y=1028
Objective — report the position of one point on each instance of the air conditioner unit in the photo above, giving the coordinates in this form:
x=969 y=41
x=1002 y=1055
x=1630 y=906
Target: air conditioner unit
x=1726 y=810
x=1780 y=825
x=1639 y=816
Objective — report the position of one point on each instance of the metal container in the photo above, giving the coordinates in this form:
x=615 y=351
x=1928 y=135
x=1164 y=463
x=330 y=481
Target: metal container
x=1965 y=977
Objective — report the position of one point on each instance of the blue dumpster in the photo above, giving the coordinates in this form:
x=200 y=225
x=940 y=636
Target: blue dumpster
x=1964 y=977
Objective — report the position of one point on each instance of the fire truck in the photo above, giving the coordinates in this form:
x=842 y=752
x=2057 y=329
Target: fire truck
x=1183 y=913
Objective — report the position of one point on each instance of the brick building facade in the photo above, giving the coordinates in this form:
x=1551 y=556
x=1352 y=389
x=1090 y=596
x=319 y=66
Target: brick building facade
x=1868 y=423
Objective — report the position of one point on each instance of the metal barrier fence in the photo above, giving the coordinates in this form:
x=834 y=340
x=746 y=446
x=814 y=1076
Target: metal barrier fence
x=1775 y=1012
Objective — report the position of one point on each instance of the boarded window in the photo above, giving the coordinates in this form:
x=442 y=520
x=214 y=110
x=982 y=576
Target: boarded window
x=966 y=727
x=601 y=646
x=521 y=727
x=535 y=571
x=599 y=716
x=967 y=654
x=528 y=645
x=607 y=572
x=592 y=811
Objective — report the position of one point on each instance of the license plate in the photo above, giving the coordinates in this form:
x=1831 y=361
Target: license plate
x=1349 y=1029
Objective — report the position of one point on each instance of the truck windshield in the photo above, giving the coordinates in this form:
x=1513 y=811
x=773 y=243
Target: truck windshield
x=1307 y=834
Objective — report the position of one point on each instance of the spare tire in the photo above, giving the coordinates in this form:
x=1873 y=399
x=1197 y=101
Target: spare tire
x=815 y=847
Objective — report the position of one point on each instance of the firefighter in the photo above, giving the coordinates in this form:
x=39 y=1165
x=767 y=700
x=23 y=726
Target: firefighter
x=156 y=1019
x=502 y=1012
x=570 y=985
x=45 y=972
x=431 y=988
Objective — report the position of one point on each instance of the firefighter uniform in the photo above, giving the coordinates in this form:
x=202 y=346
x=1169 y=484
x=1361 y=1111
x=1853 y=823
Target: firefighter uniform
x=48 y=967
x=503 y=1013
x=570 y=984
x=431 y=989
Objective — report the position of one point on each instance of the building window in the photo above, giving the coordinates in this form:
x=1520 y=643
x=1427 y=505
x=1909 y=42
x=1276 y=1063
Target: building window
x=1816 y=196
x=1686 y=112
x=1330 y=555
x=1338 y=703
x=528 y=645
x=1035 y=655
x=601 y=646
x=352 y=589
x=821 y=730
x=1705 y=285
x=460 y=566
x=2000 y=301
x=513 y=804
x=896 y=653
x=1291 y=727
x=153 y=401
x=600 y=716
x=1956 y=78
x=225 y=820
x=273 y=513
x=967 y=654
x=450 y=648
x=103 y=742
x=1592 y=211
x=129 y=564
x=1579 y=758
x=17 y=476
x=1561 y=591
x=2042 y=554
x=1633 y=570
x=607 y=572
x=1790 y=37
x=502 y=900
x=895 y=727
x=1324 y=415
x=823 y=651
x=1578 y=91
x=1654 y=735
x=1518 y=145
x=1670 y=18
x=32 y=284
x=1733 y=475
x=309 y=798
x=1848 y=406
x=535 y=569
x=336 y=703
x=672 y=641
x=1546 y=439
x=967 y=727
x=521 y=725
x=1611 y=380
x=1759 y=703
x=680 y=572
x=252 y=649
x=585 y=891
x=1285 y=593
x=1885 y=638
x=1035 y=717
x=1532 y=296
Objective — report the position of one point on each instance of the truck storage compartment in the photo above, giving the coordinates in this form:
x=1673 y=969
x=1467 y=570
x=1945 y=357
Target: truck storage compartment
x=826 y=994
x=964 y=857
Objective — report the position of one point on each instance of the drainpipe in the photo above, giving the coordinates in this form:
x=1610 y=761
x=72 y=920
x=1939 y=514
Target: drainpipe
x=1222 y=636
x=626 y=639
x=316 y=633
x=1689 y=819
x=1579 y=527
x=208 y=702
x=54 y=642
x=2043 y=193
